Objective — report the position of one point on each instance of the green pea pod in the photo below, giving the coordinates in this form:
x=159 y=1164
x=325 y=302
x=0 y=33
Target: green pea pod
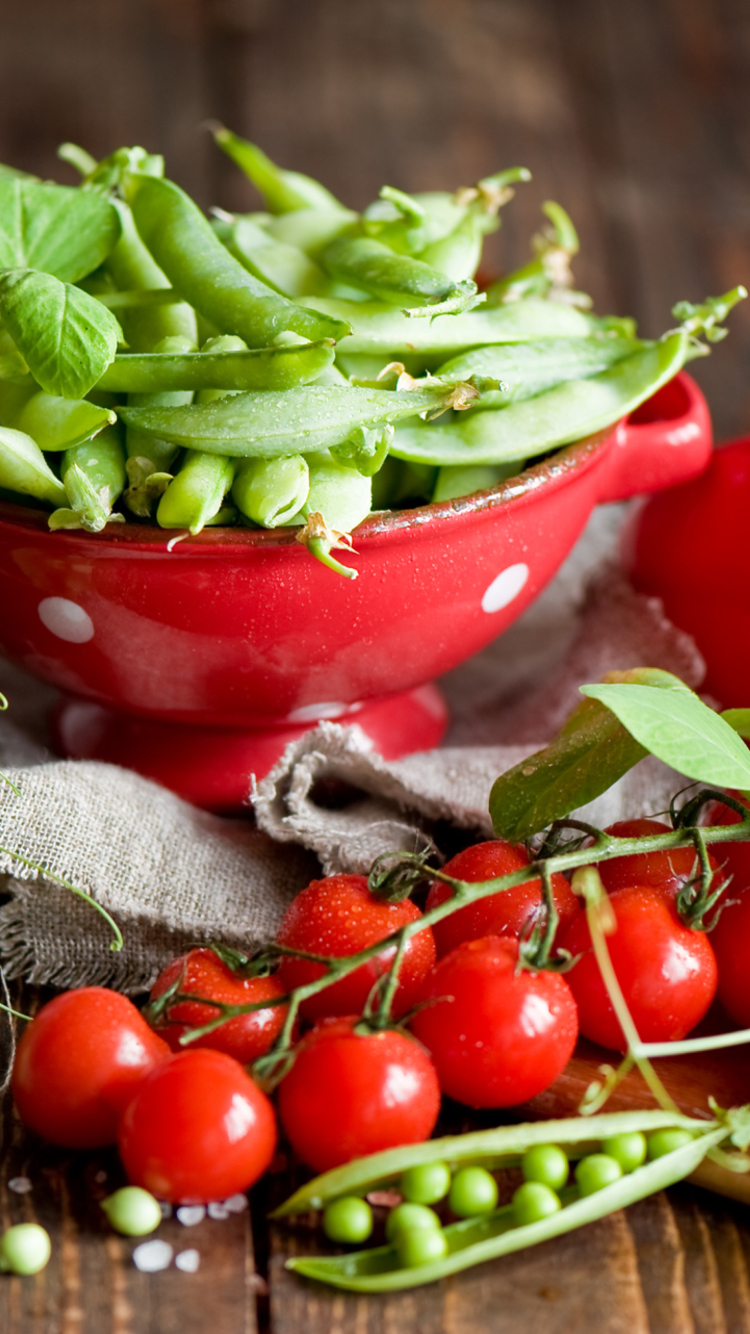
x=259 y=368
x=93 y=473
x=272 y=491
x=185 y=246
x=14 y=395
x=197 y=492
x=568 y=412
x=397 y=279
x=339 y=498
x=398 y=482
x=527 y=369
x=457 y=255
x=150 y=459
x=378 y=329
x=59 y=423
x=295 y=421
x=310 y=229
x=283 y=191
x=474 y=1240
x=132 y=269
x=549 y=271
x=283 y=267
x=23 y=468
x=452 y=483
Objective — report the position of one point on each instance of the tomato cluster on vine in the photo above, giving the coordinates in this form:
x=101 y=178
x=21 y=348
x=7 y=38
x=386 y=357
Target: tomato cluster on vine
x=462 y=1008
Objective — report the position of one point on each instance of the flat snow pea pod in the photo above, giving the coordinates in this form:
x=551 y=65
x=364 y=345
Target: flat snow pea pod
x=474 y=1240
x=397 y=279
x=272 y=491
x=568 y=412
x=256 y=368
x=457 y=255
x=294 y=421
x=378 y=329
x=283 y=191
x=284 y=267
x=186 y=247
x=197 y=492
x=23 y=468
x=527 y=369
x=310 y=229
x=132 y=268
x=94 y=477
x=59 y=423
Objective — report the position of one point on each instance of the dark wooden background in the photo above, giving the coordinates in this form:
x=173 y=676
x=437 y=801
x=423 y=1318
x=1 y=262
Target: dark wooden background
x=634 y=114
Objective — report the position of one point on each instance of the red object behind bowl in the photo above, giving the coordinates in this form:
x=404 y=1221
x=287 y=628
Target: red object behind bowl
x=242 y=629
x=689 y=548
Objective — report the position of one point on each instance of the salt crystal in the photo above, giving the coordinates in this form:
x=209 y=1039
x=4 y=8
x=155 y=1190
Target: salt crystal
x=188 y=1261
x=151 y=1256
x=190 y=1214
x=21 y=1185
x=216 y=1210
x=236 y=1204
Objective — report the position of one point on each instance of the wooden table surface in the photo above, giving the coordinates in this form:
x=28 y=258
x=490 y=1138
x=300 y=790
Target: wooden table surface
x=635 y=114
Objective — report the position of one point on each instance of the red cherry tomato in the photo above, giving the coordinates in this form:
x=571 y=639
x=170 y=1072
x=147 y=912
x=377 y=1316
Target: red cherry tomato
x=503 y=914
x=347 y=1095
x=663 y=870
x=202 y=973
x=667 y=972
x=78 y=1064
x=730 y=940
x=497 y=1036
x=197 y=1130
x=733 y=858
x=339 y=916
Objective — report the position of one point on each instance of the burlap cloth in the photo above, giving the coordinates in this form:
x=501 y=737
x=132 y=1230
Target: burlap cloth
x=172 y=875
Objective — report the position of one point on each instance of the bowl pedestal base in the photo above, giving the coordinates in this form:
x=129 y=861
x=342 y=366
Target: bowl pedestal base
x=211 y=767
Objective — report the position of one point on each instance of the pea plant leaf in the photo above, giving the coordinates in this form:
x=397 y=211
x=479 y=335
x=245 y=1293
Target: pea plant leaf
x=739 y=720
x=55 y=228
x=677 y=727
x=590 y=753
x=65 y=336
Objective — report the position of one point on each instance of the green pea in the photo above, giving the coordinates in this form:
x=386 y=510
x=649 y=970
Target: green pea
x=665 y=1141
x=132 y=1211
x=410 y=1217
x=427 y=1183
x=474 y=1191
x=348 y=1220
x=547 y=1164
x=628 y=1149
x=534 y=1201
x=24 y=1249
x=596 y=1171
x=421 y=1247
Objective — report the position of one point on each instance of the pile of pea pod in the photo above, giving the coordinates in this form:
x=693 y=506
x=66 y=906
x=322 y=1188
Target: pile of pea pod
x=288 y=367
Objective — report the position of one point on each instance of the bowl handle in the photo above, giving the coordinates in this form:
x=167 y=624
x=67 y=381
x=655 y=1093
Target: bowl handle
x=665 y=441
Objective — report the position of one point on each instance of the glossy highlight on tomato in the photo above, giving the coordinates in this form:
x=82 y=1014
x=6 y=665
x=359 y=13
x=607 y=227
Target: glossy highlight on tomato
x=202 y=973
x=79 y=1062
x=497 y=1036
x=339 y=916
x=666 y=971
x=198 y=1129
x=502 y=914
x=349 y=1094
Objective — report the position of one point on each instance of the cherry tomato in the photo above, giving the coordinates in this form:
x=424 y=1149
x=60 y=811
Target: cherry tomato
x=198 y=1129
x=78 y=1064
x=663 y=870
x=349 y=1094
x=733 y=858
x=503 y=914
x=202 y=973
x=666 y=971
x=497 y=1036
x=730 y=940
x=339 y=916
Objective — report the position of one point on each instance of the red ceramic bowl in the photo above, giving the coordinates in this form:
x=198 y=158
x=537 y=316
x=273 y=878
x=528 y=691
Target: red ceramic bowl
x=244 y=637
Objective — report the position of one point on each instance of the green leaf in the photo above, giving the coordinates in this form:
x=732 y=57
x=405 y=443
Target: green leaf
x=55 y=228
x=66 y=337
x=679 y=729
x=591 y=752
x=739 y=720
